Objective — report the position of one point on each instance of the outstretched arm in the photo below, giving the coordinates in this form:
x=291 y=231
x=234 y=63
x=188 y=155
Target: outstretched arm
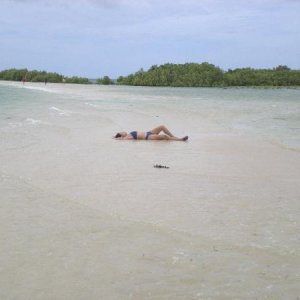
x=124 y=138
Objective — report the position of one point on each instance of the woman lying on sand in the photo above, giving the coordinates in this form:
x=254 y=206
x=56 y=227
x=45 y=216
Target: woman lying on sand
x=153 y=134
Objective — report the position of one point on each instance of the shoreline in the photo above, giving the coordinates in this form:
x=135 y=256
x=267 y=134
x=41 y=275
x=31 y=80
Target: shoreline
x=296 y=87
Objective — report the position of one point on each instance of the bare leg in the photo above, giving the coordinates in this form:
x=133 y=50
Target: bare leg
x=161 y=137
x=162 y=128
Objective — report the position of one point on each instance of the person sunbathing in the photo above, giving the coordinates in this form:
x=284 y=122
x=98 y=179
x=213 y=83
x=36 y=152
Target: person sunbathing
x=153 y=134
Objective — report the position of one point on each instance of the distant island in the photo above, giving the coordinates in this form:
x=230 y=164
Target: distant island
x=208 y=75
x=174 y=75
x=39 y=76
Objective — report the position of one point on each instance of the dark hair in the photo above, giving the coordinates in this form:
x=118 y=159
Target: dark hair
x=118 y=135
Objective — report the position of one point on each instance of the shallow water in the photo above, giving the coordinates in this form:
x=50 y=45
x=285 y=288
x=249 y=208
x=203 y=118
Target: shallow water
x=86 y=216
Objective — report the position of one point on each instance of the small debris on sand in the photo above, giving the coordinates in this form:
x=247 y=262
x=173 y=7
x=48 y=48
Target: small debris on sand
x=160 y=167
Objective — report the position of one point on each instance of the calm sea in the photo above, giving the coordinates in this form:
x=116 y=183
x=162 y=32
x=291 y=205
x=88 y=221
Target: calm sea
x=271 y=114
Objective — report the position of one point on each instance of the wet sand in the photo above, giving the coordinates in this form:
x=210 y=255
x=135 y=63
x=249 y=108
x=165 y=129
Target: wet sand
x=85 y=216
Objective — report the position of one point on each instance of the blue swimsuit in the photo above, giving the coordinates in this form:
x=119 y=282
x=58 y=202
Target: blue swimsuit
x=134 y=134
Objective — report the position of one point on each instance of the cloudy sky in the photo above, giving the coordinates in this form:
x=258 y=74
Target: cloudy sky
x=93 y=38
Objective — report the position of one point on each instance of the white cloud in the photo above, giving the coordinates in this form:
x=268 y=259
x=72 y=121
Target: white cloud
x=210 y=29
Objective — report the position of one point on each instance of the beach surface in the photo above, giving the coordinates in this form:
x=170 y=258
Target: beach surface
x=84 y=216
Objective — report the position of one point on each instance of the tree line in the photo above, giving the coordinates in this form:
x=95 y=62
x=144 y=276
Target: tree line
x=208 y=75
x=175 y=75
x=39 y=76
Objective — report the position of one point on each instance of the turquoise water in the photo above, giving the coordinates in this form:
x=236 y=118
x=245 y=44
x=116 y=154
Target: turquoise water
x=271 y=114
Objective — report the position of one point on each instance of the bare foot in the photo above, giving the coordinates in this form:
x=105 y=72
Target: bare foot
x=185 y=138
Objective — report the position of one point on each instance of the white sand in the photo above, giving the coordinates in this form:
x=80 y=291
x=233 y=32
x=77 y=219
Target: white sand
x=84 y=216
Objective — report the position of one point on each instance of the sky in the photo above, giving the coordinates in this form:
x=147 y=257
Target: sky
x=94 y=38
